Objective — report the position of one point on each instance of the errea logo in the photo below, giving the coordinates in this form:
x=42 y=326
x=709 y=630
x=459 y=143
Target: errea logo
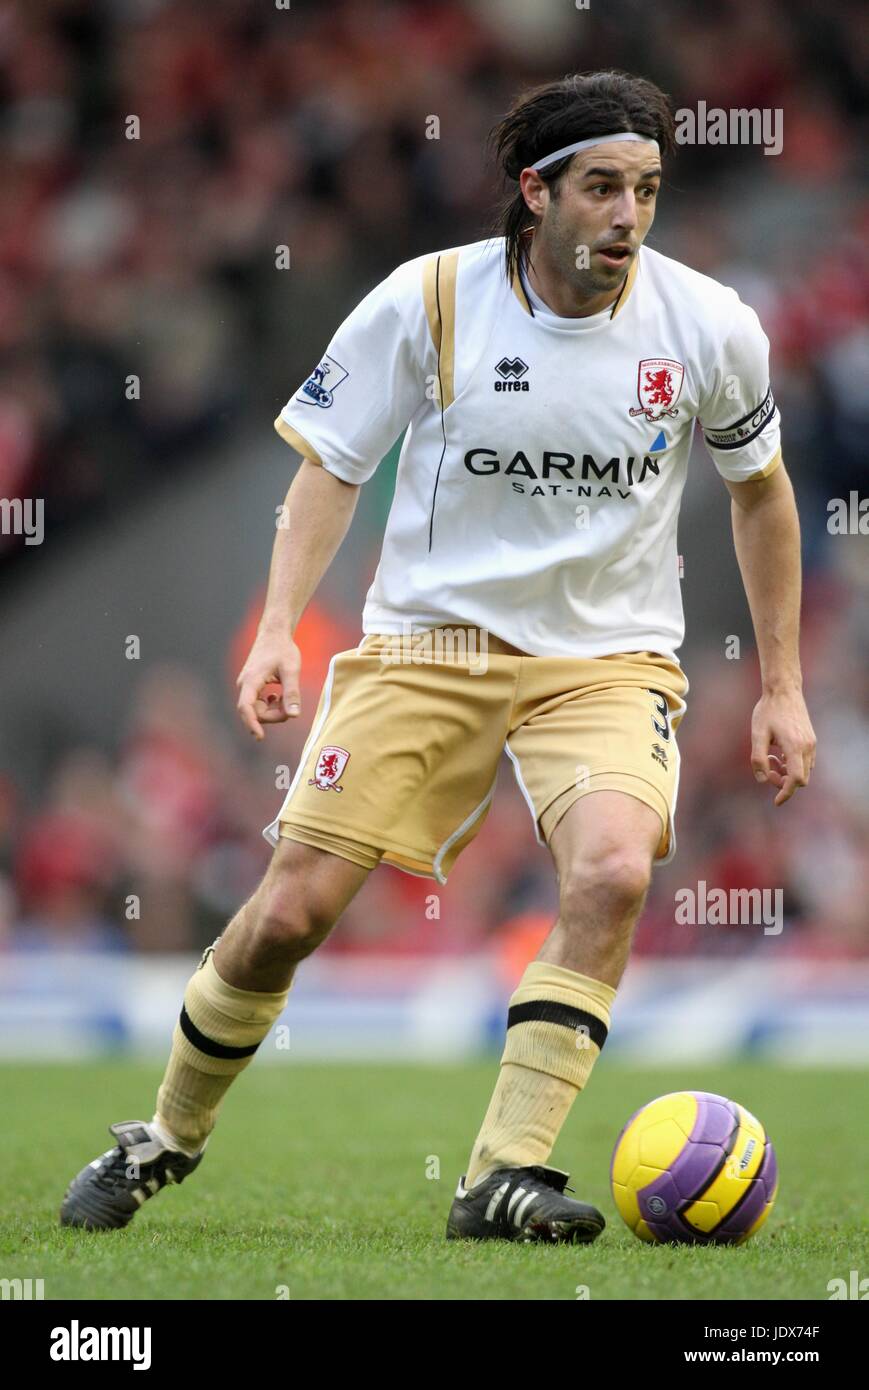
x=511 y=371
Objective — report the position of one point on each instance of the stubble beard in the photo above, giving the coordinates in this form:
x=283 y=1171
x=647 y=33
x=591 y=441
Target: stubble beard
x=586 y=283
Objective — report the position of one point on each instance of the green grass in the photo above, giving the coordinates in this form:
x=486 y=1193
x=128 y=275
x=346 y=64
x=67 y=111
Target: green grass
x=316 y=1179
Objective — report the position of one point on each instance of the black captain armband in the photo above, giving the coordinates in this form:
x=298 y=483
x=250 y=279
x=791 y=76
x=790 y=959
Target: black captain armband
x=745 y=430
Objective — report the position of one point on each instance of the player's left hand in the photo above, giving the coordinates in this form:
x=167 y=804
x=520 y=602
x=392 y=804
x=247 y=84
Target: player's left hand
x=781 y=721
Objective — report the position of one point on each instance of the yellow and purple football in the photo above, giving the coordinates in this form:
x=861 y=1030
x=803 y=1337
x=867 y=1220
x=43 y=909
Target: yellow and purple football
x=694 y=1168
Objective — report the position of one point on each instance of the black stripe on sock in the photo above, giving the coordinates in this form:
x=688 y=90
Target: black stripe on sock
x=208 y=1045
x=549 y=1011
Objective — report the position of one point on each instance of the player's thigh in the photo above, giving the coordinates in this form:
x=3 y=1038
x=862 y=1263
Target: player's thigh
x=402 y=757
x=606 y=725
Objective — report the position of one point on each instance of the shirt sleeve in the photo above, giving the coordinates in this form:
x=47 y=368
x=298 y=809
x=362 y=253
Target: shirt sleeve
x=738 y=415
x=367 y=386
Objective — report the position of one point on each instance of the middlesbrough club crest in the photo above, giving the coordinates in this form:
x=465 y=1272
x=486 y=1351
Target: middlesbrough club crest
x=330 y=765
x=659 y=383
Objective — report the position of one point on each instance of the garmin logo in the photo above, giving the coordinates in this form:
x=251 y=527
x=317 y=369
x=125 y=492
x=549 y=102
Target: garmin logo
x=617 y=475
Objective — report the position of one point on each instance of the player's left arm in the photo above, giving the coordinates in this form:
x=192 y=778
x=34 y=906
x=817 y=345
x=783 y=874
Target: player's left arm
x=766 y=534
x=741 y=428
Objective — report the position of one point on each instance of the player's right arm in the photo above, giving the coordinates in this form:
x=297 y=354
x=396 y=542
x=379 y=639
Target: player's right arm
x=343 y=420
x=314 y=520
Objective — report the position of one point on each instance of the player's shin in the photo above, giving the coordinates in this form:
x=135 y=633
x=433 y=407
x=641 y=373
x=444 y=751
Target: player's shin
x=557 y=1024
x=215 y=1038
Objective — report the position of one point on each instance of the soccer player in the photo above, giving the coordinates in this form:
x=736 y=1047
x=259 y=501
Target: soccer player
x=549 y=379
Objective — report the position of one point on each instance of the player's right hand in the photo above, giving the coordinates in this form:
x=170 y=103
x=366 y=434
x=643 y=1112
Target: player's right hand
x=274 y=661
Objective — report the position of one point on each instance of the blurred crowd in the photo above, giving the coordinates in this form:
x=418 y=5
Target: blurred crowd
x=155 y=158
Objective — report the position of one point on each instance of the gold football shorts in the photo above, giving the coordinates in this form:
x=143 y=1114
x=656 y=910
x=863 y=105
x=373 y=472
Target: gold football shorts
x=401 y=760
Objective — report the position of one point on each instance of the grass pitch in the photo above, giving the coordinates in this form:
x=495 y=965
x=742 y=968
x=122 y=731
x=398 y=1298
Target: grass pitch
x=321 y=1183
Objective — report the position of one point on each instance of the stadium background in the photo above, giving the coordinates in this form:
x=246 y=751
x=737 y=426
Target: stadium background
x=155 y=257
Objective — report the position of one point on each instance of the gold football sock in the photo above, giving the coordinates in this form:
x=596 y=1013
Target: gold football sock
x=215 y=1038
x=556 y=1026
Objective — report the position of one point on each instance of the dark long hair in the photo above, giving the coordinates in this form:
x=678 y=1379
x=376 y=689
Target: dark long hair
x=545 y=118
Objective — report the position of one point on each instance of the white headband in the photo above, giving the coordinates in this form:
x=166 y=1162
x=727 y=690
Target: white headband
x=595 y=140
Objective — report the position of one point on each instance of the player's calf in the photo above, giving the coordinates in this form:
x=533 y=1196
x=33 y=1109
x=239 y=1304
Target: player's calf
x=231 y=1002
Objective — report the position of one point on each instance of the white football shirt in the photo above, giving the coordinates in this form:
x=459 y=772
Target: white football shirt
x=540 y=477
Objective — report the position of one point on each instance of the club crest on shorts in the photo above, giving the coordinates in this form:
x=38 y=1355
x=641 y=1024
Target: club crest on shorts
x=331 y=763
x=659 y=384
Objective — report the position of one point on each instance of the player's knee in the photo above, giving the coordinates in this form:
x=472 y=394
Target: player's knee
x=611 y=881
x=292 y=918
